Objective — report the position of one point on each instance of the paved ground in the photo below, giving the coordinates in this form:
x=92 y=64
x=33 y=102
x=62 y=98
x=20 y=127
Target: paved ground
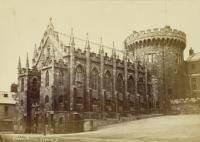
x=179 y=128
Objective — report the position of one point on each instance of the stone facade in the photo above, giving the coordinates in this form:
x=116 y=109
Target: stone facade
x=66 y=80
x=162 y=52
x=193 y=69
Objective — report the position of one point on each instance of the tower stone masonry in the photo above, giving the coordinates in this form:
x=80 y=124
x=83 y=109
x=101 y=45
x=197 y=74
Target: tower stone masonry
x=161 y=50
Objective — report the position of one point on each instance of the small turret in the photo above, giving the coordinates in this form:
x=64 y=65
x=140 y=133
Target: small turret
x=19 y=65
x=191 y=51
x=50 y=27
x=87 y=44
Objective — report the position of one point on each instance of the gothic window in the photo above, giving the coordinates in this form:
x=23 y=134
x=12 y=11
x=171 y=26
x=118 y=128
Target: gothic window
x=61 y=75
x=94 y=79
x=107 y=81
x=131 y=85
x=22 y=84
x=46 y=99
x=34 y=84
x=79 y=77
x=47 y=79
x=120 y=84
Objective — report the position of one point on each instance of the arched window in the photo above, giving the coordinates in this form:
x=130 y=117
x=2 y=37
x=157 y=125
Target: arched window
x=61 y=74
x=79 y=77
x=22 y=84
x=46 y=99
x=107 y=81
x=47 y=79
x=94 y=79
x=131 y=85
x=120 y=84
x=60 y=99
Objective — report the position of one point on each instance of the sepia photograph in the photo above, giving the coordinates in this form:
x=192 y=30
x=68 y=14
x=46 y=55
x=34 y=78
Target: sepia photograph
x=99 y=71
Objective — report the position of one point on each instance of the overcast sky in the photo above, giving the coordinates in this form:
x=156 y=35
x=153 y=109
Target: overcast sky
x=23 y=22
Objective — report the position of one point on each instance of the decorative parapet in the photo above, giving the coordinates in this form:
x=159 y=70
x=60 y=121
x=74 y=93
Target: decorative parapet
x=162 y=33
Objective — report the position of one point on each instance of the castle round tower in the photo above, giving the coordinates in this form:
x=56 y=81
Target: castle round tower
x=161 y=50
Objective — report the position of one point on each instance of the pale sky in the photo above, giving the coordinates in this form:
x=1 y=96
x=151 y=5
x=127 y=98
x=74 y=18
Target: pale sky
x=23 y=22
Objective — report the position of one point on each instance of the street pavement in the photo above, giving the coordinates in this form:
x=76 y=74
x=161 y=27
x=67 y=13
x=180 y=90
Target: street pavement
x=177 y=128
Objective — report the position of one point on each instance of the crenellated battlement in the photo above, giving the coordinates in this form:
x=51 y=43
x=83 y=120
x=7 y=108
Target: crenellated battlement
x=163 y=33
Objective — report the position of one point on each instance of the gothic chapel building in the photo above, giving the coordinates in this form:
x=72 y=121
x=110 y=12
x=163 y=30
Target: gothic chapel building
x=65 y=79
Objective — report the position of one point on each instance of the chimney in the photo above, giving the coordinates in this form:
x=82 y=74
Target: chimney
x=191 y=51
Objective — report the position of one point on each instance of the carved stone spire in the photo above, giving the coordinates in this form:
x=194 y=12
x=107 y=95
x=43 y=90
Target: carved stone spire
x=101 y=46
x=113 y=50
x=19 y=65
x=71 y=42
x=27 y=61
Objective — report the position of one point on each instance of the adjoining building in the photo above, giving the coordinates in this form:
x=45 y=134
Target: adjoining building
x=7 y=110
x=66 y=80
x=193 y=69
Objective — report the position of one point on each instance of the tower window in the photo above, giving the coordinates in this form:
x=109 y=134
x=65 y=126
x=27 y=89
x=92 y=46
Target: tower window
x=178 y=58
x=150 y=57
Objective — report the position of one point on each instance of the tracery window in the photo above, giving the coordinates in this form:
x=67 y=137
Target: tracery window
x=107 y=81
x=34 y=84
x=61 y=75
x=61 y=99
x=120 y=84
x=94 y=79
x=47 y=79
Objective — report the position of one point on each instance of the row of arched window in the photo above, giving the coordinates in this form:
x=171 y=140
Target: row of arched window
x=60 y=78
x=94 y=80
